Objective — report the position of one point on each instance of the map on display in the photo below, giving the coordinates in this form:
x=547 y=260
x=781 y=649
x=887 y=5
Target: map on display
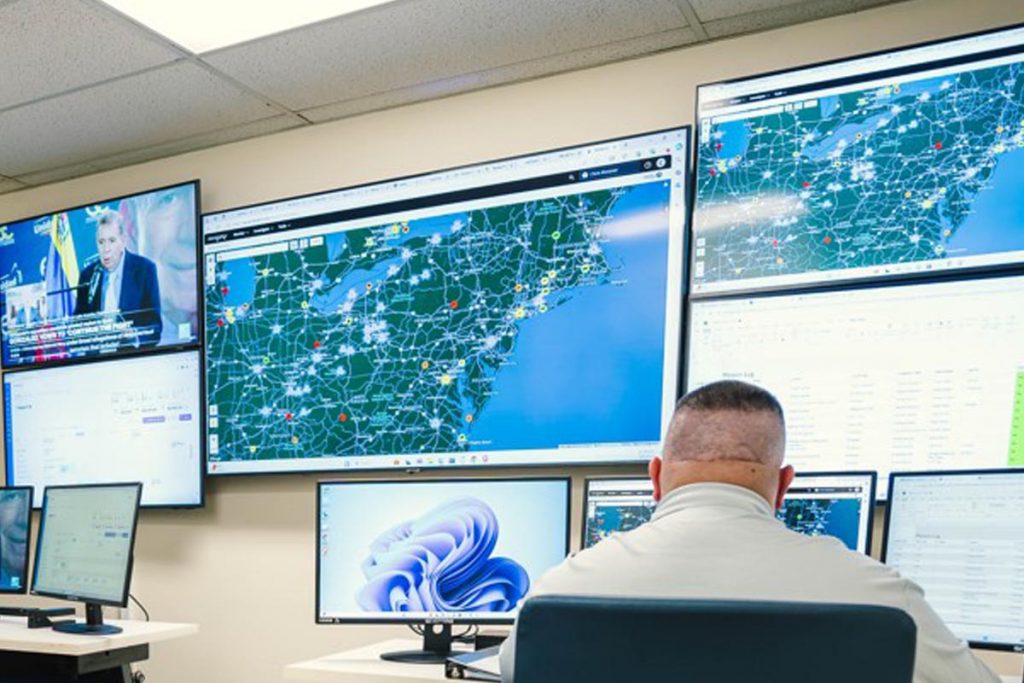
x=910 y=172
x=839 y=517
x=608 y=519
x=430 y=335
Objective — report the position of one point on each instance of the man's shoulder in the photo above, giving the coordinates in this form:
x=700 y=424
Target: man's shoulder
x=138 y=262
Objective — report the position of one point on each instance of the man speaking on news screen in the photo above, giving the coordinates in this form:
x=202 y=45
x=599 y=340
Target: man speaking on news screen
x=121 y=282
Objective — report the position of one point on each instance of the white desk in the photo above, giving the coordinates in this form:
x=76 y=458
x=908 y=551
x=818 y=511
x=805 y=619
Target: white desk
x=365 y=664
x=45 y=654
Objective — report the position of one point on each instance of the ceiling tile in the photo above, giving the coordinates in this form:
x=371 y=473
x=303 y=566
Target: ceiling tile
x=501 y=75
x=167 y=104
x=408 y=43
x=9 y=185
x=50 y=46
x=709 y=10
x=275 y=124
x=780 y=13
x=57 y=174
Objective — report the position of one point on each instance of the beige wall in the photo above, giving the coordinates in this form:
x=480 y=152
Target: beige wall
x=243 y=566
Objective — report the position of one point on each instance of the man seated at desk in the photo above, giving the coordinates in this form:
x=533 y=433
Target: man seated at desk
x=121 y=282
x=714 y=535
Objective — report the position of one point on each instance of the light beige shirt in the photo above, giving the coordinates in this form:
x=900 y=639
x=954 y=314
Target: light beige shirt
x=718 y=541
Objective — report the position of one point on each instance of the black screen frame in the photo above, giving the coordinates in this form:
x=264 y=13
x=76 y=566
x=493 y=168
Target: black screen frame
x=23 y=579
x=129 y=570
x=681 y=340
x=200 y=422
x=469 y=481
x=123 y=353
x=893 y=476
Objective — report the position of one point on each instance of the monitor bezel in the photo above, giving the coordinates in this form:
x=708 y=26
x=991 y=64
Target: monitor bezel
x=959 y=273
x=586 y=499
x=131 y=548
x=480 y=619
x=872 y=501
x=199 y=341
x=200 y=422
x=893 y=476
x=23 y=589
x=686 y=130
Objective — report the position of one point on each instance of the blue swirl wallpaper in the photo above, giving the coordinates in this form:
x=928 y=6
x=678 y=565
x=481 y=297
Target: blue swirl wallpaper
x=396 y=550
x=442 y=562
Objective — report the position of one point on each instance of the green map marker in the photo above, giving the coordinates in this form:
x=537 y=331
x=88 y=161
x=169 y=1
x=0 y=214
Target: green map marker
x=1017 y=424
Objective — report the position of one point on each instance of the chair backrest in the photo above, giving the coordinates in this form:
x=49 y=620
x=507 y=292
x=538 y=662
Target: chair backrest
x=563 y=639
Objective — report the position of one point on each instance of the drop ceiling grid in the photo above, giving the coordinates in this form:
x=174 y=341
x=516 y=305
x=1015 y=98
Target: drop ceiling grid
x=85 y=88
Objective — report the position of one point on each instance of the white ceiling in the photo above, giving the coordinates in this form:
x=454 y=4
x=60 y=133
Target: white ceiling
x=85 y=89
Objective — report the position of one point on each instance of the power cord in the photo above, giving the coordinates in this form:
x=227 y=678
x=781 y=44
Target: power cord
x=145 y=612
x=137 y=675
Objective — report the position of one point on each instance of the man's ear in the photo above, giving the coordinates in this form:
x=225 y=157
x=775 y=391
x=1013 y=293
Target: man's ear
x=786 y=475
x=654 y=470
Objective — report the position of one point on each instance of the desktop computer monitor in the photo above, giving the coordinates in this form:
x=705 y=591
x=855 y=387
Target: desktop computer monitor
x=960 y=536
x=839 y=504
x=15 y=537
x=437 y=552
x=84 y=553
x=615 y=504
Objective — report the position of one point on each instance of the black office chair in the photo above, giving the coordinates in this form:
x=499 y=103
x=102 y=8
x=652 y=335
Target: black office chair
x=618 y=640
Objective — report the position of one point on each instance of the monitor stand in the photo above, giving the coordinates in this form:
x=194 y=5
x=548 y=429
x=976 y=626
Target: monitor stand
x=93 y=625
x=437 y=646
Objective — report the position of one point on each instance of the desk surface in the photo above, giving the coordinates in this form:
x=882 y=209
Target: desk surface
x=365 y=664
x=15 y=635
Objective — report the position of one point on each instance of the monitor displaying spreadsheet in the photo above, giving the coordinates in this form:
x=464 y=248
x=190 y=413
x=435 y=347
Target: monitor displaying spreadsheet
x=960 y=536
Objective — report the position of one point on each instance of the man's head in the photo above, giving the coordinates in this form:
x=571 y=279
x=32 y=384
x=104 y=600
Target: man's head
x=110 y=240
x=728 y=432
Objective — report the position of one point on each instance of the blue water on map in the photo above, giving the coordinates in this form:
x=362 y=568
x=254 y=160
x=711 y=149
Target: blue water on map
x=241 y=282
x=590 y=371
x=996 y=222
x=735 y=136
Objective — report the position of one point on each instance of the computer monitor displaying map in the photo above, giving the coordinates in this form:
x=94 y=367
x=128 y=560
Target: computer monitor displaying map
x=452 y=551
x=908 y=377
x=113 y=277
x=902 y=162
x=839 y=504
x=960 y=536
x=132 y=418
x=15 y=537
x=518 y=312
x=614 y=505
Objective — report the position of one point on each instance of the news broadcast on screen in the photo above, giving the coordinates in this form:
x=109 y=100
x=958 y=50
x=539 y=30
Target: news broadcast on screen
x=105 y=278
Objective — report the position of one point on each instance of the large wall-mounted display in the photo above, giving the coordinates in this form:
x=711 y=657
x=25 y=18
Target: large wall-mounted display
x=901 y=163
x=114 y=276
x=858 y=250
x=907 y=377
x=524 y=311
x=131 y=419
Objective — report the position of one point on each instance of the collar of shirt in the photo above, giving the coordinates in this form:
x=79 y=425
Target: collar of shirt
x=115 y=276
x=706 y=496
